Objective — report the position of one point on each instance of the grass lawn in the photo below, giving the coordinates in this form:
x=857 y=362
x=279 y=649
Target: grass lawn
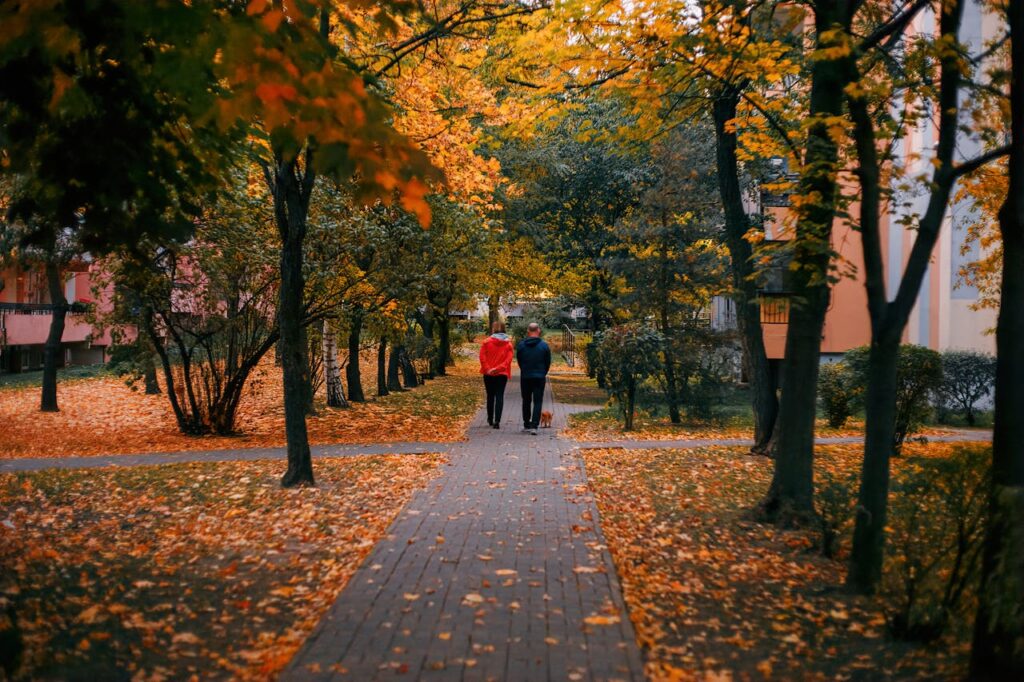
x=716 y=595
x=203 y=571
x=733 y=419
x=34 y=379
x=577 y=389
x=102 y=415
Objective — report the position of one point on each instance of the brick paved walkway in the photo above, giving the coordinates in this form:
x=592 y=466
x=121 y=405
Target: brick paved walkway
x=497 y=570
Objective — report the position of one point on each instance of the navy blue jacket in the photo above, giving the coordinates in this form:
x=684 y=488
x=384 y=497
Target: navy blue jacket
x=534 y=357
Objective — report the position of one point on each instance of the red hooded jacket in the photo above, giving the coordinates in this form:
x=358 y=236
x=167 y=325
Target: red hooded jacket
x=496 y=356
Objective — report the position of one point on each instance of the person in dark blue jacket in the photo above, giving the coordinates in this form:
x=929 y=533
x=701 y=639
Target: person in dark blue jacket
x=534 y=358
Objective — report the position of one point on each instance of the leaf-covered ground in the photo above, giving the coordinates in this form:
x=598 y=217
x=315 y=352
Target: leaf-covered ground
x=104 y=416
x=168 y=572
x=716 y=595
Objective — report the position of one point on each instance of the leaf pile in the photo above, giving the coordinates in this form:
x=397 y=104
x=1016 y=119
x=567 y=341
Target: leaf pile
x=104 y=416
x=174 y=571
x=715 y=595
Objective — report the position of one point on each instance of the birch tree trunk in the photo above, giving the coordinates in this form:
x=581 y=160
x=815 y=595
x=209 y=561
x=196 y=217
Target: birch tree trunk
x=332 y=369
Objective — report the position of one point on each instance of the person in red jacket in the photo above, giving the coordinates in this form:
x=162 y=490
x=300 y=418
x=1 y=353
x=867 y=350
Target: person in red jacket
x=496 y=366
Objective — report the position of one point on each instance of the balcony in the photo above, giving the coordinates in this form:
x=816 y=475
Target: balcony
x=774 y=307
x=28 y=324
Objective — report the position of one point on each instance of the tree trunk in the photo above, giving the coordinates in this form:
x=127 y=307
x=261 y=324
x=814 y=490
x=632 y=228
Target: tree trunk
x=224 y=410
x=671 y=384
x=148 y=366
x=444 y=346
x=493 y=311
x=382 y=376
x=872 y=503
x=291 y=201
x=352 y=371
x=51 y=351
x=307 y=372
x=630 y=406
x=889 y=319
x=763 y=396
x=426 y=320
x=395 y=369
x=998 y=650
x=409 y=377
x=790 y=497
x=332 y=369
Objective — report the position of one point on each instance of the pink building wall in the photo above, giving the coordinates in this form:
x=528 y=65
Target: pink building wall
x=23 y=333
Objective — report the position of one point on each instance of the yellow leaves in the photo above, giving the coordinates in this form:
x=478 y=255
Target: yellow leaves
x=414 y=199
x=271 y=93
x=472 y=599
x=602 y=620
x=104 y=416
x=715 y=595
x=272 y=19
x=217 y=594
x=91 y=615
x=587 y=569
x=185 y=638
x=837 y=127
x=832 y=45
x=61 y=84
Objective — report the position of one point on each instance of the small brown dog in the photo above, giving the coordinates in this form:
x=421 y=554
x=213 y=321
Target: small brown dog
x=545 y=419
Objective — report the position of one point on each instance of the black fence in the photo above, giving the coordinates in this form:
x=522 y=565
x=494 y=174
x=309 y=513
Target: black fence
x=774 y=308
x=41 y=308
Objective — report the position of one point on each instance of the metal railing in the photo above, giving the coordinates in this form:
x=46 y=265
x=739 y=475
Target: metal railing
x=41 y=308
x=569 y=345
x=572 y=342
x=774 y=307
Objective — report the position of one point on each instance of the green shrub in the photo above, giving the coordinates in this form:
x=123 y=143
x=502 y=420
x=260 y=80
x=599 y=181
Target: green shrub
x=624 y=357
x=703 y=364
x=836 y=496
x=935 y=531
x=918 y=376
x=838 y=393
x=467 y=331
x=967 y=377
x=421 y=351
x=583 y=342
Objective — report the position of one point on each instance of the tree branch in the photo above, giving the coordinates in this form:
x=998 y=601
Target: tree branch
x=894 y=25
x=977 y=162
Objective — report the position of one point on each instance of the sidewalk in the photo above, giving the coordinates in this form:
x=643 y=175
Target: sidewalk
x=497 y=570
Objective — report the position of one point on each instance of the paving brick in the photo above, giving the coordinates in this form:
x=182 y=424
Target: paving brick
x=508 y=502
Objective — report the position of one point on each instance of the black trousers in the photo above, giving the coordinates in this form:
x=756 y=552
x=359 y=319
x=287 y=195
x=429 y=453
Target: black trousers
x=533 y=394
x=495 y=386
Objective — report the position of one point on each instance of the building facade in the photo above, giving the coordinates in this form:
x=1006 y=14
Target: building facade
x=945 y=315
x=26 y=312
